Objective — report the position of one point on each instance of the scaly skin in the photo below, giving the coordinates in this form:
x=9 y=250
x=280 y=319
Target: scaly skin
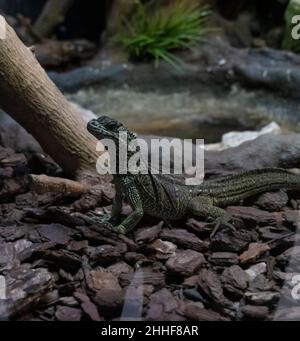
x=167 y=197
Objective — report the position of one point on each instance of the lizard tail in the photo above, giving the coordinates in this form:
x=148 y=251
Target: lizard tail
x=235 y=188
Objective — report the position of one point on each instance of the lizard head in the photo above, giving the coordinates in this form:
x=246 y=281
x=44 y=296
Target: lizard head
x=106 y=127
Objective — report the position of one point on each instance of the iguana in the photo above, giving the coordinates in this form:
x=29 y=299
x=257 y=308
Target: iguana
x=169 y=198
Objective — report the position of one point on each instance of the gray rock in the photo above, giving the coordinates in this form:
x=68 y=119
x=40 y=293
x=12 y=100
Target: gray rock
x=272 y=201
x=7 y=257
x=290 y=257
x=196 y=312
x=256 y=270
x=210 y=284
x=67 y=260
x=162 y=307
x=68 y=301
x=25 y=287
x=254 y=216
x=224 y=258
x=184 y=239
x=64 y=313
x=262 y=298
x=144 y=276
x=279 y=151
x=254 y=252
x=57 y=233
x=255 y=312
x=120 y=268
x=235 y=280
x=91 y=310
x=163 y=249
x=228 y=242
x=185 y=263
x=148 y=234
x=288 y=314
x=224 y=64
x=108 y=294
x=105 y=255
x=16 y=137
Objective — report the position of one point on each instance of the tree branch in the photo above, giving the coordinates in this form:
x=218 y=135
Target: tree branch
x=52 y=15
x=31 y=98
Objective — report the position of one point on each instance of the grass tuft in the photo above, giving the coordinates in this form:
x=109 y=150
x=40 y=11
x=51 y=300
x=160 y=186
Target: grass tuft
x=292 y=10
x=155 y=32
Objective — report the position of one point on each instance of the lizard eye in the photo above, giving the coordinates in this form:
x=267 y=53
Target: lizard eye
x=93 y=124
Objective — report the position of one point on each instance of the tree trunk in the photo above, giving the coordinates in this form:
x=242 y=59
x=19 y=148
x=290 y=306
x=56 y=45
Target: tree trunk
x=30 y=97
x=52 y=15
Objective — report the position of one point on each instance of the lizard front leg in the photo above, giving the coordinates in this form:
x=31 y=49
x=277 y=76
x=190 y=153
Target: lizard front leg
x=135 y=202
x=116 y=207
x=115 y=211
x=133 y=197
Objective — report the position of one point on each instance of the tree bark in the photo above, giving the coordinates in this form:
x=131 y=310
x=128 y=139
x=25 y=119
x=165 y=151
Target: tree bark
x=52 y=15
x=46 y=184
x=32 y=99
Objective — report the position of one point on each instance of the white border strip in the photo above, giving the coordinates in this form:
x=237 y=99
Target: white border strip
x=2 y=288
x=2 y=28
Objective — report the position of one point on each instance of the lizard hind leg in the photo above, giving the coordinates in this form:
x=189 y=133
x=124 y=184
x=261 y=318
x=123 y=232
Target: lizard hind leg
x=203 y=207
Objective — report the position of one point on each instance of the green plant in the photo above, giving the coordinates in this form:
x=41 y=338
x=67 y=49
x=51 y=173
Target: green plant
x=156 y=32
x=292 y=10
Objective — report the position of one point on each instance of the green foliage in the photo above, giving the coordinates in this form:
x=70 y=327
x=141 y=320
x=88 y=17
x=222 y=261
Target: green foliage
x=155 y=32
x=292 y=10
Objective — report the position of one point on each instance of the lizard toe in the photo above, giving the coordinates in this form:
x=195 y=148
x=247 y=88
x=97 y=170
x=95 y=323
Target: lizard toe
x=222 y=223
x=120 y=229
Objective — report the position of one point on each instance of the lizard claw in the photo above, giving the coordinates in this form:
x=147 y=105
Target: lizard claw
x=102 y=218
x=98 y=217
x=102 y=222
x=220 y=223
x=102 y=226
x=105 y=222
x=119 y=229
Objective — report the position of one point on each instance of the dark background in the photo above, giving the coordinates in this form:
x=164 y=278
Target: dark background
x=86 y=19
